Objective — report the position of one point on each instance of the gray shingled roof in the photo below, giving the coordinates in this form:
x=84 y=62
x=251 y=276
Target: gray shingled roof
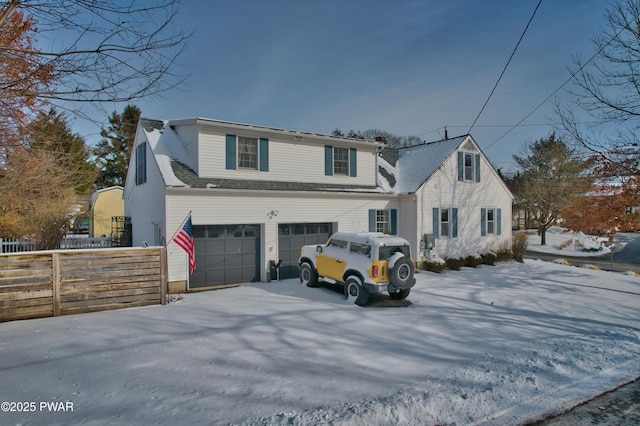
x=190 y=178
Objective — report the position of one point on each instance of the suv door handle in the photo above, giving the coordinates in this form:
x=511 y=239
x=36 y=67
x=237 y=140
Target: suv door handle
x=339 y=260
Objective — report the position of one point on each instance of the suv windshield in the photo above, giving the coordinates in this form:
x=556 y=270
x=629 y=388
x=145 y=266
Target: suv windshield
x=386 y=252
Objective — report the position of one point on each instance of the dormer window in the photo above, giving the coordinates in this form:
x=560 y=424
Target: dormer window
x=247 y=153
x=340 y=161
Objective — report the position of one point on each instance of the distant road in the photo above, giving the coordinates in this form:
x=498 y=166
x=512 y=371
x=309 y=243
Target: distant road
x=627 y=259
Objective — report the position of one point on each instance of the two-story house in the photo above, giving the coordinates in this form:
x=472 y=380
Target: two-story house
x=257 y=194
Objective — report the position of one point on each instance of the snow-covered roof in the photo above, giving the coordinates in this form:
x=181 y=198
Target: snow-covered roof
x=416 y=164
x=166 y=147
x=400 y=171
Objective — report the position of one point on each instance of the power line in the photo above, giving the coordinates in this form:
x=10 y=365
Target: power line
x=505 y=67
x=571 y=77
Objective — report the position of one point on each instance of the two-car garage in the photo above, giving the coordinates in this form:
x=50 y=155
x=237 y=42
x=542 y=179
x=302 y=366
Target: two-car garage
x=230 y=254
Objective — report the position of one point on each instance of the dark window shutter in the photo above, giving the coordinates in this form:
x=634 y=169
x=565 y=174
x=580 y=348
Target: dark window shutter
x=372 y=220
x=499 y=220
x=483 y=222
x=328 y=160
x=353 y=162
x=477 y=167
x=460 y=166
x=436 y=222
x=394 y=221
x=231 y=152
x=454 y=223
x=264 y=154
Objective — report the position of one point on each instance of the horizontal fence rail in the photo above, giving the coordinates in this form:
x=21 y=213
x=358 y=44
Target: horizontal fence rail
x=62 y=282
x=18 y=245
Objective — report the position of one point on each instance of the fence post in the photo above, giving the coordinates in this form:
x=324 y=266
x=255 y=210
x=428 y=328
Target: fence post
x=55 y=282
x=163 y=276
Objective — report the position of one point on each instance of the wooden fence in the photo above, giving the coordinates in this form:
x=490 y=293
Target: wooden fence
x=62 y=282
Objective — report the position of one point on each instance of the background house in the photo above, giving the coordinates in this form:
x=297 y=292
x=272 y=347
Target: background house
x=257 y=194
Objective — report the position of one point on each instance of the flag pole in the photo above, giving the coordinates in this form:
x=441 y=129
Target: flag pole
x=180 y=227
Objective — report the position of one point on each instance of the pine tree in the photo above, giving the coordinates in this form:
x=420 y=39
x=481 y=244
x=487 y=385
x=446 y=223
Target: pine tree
x=114 y=150
x=50 y=132
x=552 y=177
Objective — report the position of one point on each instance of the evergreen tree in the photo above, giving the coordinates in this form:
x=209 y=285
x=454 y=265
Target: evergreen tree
x=50 y=132
x=114 y=150
x=552 y=177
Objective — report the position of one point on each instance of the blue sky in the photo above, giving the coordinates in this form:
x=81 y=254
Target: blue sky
x=407 y=67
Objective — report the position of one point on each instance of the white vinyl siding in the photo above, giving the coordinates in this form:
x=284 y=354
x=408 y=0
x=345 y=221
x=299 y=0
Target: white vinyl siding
x=348 y=213
x=289 y=160
x=444 y=190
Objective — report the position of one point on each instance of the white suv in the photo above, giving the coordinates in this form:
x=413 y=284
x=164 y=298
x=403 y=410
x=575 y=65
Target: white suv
x=364 y=262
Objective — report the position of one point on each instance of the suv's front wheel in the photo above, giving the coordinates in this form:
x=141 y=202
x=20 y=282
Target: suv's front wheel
x=355 y=291
x=308 y=275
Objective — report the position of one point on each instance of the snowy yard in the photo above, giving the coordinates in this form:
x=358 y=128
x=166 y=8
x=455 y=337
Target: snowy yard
x=494 y=345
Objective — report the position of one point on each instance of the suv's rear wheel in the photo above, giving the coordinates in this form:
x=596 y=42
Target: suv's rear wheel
x=401 y=275
x=399 y=295
x=308 y=275
x=355 y=291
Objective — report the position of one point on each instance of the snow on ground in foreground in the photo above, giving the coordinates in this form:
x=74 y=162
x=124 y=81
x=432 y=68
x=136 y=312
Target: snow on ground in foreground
x=498 y=344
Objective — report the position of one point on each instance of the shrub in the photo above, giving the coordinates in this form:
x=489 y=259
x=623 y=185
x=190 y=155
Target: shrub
x=473 y=261
x=504 y=255
x=519 y=246
x=565 y=243
x=432 y=265
x=455 y=264
x=489 y=258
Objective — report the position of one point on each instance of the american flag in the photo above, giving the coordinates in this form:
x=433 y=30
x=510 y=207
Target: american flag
x=184 y=239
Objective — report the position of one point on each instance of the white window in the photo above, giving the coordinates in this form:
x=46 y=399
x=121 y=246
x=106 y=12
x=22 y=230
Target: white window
x=444 y=222
x=247 y=153
x=490 y=221
x=383 y=223
x=468 y=166
x=341 y=161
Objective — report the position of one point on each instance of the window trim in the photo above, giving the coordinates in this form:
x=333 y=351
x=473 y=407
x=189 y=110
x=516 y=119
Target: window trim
x=251 y=156
x=341 y=161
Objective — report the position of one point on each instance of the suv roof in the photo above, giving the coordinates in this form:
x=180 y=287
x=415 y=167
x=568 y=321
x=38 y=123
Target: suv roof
x=377 y=238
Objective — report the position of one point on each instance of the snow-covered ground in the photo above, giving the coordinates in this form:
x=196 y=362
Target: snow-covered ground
x=568 y=243
x=496 y=345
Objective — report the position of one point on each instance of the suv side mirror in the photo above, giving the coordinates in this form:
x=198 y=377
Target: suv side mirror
x=318 y=249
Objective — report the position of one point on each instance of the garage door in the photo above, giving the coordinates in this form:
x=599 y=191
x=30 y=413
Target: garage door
x=226 y=254
x=292 y=236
